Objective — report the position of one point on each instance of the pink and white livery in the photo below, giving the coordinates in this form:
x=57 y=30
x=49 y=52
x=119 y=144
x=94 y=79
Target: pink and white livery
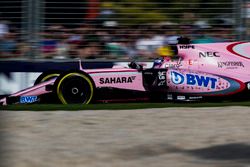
x=201 y=71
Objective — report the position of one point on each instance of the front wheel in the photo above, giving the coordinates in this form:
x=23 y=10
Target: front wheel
x=45 y=76
x=74 y=88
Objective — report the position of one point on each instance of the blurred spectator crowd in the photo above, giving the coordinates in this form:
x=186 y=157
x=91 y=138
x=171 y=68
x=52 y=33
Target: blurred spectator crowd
x=90 y=41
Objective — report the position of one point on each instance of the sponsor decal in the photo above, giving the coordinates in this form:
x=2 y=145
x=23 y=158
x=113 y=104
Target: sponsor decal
x=28 y=99
x=190 y=62
x=116 y=80
x=230 y=64
x=195 y=97
x=208 y=54
x=181 y=97
x=187 y=47
x=177 y=78
x=170 y=97
x=240 y=49
x=174 y=65
x=193 y=79
x=162 y=78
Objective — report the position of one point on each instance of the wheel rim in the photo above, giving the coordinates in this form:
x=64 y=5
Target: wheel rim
x=75 y=88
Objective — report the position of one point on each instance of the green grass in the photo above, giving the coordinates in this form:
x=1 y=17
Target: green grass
x=116 y=106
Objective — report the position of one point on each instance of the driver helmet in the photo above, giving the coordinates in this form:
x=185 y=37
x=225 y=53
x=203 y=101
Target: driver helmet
x=166 y=51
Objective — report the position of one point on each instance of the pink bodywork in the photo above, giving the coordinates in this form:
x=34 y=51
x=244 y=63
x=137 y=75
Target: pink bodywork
x=136 y=77
x=226 y=59
x=96 y=74
x=229 y=63
x=200 y=69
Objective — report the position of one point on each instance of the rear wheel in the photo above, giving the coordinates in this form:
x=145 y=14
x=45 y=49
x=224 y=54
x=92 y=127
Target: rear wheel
x=74 y=88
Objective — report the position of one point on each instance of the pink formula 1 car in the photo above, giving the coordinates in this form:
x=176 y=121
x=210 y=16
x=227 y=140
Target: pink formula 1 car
x=201 y=71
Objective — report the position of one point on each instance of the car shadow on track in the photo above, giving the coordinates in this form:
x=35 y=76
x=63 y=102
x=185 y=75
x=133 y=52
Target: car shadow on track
x=233 y=152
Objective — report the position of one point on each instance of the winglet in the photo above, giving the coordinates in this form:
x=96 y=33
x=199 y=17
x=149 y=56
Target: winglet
x=80 y=65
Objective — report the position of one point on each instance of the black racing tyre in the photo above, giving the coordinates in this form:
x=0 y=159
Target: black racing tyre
x=45 y=76
x=74 y=88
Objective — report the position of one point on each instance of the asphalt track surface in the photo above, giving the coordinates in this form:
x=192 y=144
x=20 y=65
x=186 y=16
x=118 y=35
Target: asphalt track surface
x=166 y=137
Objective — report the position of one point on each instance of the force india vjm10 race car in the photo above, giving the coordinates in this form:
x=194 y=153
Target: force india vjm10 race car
x=200 y=71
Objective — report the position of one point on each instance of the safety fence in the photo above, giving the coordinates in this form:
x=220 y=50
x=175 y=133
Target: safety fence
x=121 y=29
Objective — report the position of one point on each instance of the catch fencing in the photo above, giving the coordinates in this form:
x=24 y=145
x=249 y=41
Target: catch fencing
x=122 y=29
